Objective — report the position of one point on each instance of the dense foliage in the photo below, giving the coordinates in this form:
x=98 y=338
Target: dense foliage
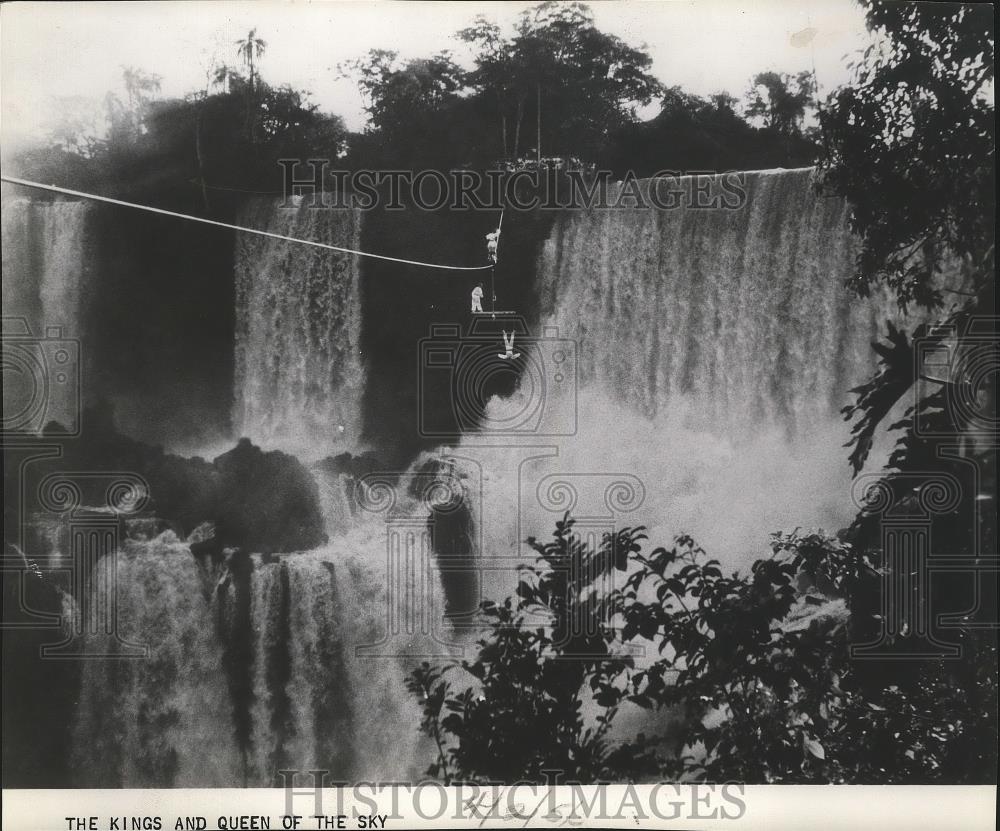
x=911 y=143
x=751 y=675
x=561 y=88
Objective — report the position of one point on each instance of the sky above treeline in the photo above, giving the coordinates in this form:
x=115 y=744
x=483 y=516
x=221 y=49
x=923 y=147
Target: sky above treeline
x=52 y=52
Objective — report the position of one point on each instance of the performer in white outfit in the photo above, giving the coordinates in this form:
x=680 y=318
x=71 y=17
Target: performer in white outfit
x=492 y=241
x=508 y=345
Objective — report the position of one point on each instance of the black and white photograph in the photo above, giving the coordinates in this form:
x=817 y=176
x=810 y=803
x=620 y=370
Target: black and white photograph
x=499 y=414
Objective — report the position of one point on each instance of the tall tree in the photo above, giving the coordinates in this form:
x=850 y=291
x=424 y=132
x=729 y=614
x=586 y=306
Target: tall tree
x=781 y=101
x=586 y=83
x=494 y=75
x=412 y=108
x=400 y=94
x=250 y=49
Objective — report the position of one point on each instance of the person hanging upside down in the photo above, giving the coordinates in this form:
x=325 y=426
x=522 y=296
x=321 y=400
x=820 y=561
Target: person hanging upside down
x=508 y=345
x=477 y=298
x=492 y=241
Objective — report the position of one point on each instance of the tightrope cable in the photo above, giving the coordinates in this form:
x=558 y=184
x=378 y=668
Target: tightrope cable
x=163 y=211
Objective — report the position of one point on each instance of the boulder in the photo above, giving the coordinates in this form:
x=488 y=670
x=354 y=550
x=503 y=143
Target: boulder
x=257 y=501
x=268 y=502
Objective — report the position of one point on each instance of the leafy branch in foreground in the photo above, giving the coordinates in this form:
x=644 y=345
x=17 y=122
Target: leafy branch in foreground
x=518 y=710
x=746 y=677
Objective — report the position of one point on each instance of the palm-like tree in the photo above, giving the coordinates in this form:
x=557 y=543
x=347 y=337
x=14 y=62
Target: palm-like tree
x=249 y=49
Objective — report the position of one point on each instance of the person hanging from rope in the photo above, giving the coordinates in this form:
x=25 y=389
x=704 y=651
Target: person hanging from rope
x=508 y=345
x=492 y=242
x=477 y=298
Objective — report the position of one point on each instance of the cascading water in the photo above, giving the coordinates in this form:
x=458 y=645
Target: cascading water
x=45 y=263
x=299 y=381
x=313 y=702
x=46 y=267
x=714 y=349
x=299 y=373
x=256 y=663
x=162 y=720
x=20 y=277
x=267 y=647
x=742 y=311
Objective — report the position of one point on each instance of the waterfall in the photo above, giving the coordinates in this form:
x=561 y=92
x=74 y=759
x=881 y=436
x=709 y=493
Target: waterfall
x=298 y=374
x=742 y=312
x=714 y=348
x=162 y=720
x=45 y=263
x=316 y=703
x=20 y=285
x=256 y=663
x=302 y=710
x=46 y=267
